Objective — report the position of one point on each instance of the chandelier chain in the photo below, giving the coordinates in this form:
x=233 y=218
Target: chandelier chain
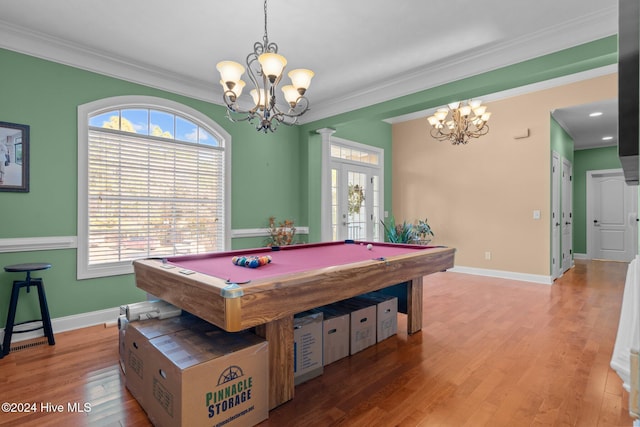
x=266 y=36
x=265 y=69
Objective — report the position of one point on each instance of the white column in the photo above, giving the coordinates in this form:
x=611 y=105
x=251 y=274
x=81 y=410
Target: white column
x=325 y=192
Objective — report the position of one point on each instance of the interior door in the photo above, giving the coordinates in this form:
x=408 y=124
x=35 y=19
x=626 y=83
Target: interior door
x=555 y=216
x=613 y=219
x=567 y=215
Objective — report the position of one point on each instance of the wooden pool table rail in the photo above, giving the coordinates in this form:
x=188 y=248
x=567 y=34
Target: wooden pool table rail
x=270 y=299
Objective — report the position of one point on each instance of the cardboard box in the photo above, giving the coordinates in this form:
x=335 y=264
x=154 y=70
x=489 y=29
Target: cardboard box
x=307 y=346
x=122 y=345
x=207 y=378
x=335 y=334
x=362 y=323
x=136 y=347
x=387 y=313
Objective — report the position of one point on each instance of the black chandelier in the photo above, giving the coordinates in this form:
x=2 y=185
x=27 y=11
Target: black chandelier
x=265 y=68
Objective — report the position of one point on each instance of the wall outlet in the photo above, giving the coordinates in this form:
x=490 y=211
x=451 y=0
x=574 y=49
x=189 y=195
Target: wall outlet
x=487 y=255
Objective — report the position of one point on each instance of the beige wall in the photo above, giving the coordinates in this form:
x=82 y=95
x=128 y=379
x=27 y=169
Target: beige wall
x=480 y=197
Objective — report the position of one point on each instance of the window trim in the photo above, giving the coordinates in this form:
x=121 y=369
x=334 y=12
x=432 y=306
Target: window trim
x=86 y=271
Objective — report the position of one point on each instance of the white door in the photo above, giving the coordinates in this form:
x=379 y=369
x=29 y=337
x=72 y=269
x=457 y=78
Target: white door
x=555 y=216
x=567 y=215
x=354 y=193
x=352 y=189
x=613 y=219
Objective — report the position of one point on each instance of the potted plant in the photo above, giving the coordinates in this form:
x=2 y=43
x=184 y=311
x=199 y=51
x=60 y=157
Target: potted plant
x=422 y=232
x=281 y=234
x=419 y=233
x=397 y=233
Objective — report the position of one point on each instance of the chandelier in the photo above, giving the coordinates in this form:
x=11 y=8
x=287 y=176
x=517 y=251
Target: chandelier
x=265 y=68
x=460 y=122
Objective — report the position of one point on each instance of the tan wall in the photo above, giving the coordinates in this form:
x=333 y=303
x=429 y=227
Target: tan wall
x=480 y=197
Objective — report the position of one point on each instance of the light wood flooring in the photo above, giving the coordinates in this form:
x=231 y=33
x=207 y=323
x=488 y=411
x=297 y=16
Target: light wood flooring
x=492 y=352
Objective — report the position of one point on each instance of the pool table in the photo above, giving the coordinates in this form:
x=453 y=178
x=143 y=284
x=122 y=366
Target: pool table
x=298 y=278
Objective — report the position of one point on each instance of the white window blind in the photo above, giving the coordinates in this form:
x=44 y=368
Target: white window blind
x=153 y=181
x=152 y=197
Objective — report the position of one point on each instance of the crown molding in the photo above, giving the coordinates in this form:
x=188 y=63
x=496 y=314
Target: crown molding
x=521 y=90
x=50 y=48
x=545 y=41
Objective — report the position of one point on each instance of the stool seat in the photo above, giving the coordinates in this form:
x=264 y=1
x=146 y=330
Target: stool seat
x=22 y=268
x=28 y=282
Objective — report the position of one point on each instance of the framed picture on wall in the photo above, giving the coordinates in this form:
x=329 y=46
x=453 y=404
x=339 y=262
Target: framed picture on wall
x=14 y=157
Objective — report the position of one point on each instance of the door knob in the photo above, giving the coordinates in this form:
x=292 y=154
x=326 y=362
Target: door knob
x=595 y=222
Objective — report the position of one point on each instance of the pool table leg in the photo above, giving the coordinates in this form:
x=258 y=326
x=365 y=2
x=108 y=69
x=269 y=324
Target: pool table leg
x=414 y=305
x=279 y=333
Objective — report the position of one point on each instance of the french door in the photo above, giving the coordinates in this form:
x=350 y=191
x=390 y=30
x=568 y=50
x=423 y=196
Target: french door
x=355 y=202
x=352 y=189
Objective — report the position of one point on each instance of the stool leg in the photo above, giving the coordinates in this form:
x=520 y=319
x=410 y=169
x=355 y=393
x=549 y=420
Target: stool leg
x=44 y=312
x=11 y=317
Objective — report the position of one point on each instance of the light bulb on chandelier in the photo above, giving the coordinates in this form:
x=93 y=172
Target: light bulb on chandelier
x=459 y=122
x=265 y=68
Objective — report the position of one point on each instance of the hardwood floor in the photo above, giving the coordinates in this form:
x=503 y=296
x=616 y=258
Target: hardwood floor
x=492 y=352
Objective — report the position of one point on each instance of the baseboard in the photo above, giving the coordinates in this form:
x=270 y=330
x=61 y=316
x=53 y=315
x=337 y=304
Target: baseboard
x=69 y=323
x=580 y=256
x=525 y=277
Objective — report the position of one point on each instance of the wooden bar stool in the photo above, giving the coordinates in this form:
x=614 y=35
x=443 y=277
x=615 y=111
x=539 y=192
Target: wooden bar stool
x=15 y=292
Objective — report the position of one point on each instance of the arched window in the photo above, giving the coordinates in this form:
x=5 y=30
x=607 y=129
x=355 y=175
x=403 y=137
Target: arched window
x=152 y=182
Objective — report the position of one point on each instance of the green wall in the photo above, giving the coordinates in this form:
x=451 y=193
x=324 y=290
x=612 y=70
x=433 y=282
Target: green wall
x=273 y=174
x=45 y=95
x=584 y=161
x=569 y=61
x=371 y=132
x=561 y=141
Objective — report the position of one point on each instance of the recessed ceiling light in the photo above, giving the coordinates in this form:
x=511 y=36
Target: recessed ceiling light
x=607 y=138
x=595 y=114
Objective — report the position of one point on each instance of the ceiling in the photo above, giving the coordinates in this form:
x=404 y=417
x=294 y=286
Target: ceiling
x=362 y=51
x=587 y=131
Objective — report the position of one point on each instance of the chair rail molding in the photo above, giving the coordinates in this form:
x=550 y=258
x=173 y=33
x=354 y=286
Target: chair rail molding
x=26 y=244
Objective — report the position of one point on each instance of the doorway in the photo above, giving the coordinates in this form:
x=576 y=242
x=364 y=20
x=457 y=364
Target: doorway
x=561 y=215
x=355 y=189
x=611 y=216
x=566 y=224
x=555 y=216
x=353 y=193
